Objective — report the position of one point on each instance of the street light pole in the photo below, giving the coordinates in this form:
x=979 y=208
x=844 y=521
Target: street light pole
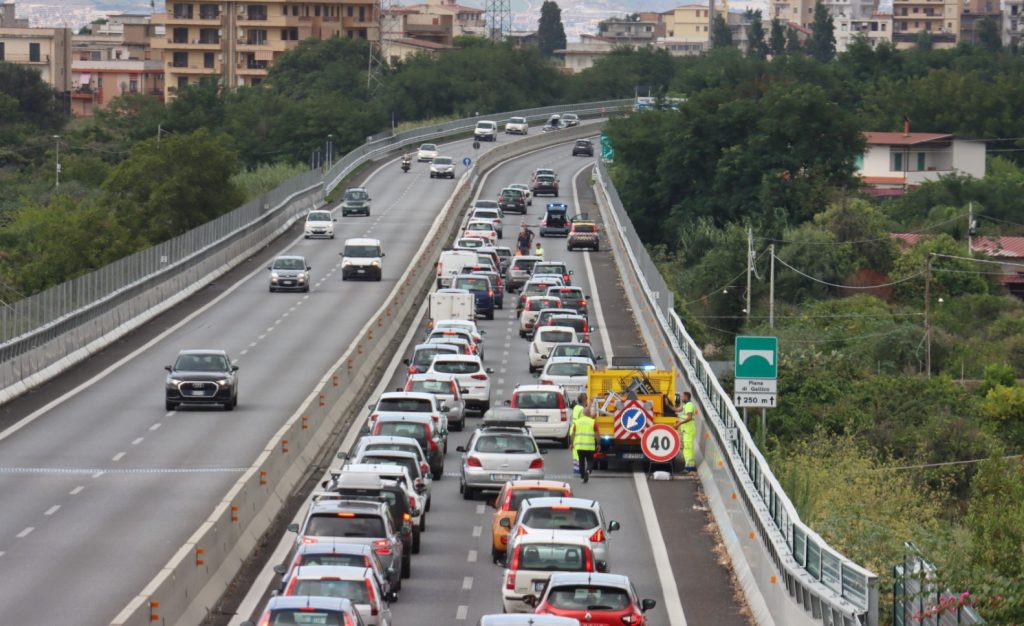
x=771 y=288
x=56 y=139
x=750 y=268
x=927 y=321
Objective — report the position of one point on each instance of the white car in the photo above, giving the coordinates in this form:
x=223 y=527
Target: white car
x=494 y=216
x=451 y=263
x=535 y=558
x=570 y=119
x=362 y=258
x=569 y=373
x=417 y=491
x=485 y=229
x=427 y=152
x=486 y=130
x=531 y=309
x=442 y=167
x=517 y=126
x=544 y=338
x=319 y=224
x=467 y=325
x=408 y=403
x=473 y=377
x=547 y=411
x=527 y=192
x=470 y=243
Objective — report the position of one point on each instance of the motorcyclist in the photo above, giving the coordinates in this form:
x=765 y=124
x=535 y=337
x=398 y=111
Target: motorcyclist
x=406 y=162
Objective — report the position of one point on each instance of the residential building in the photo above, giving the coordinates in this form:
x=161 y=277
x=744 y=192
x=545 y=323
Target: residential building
x=47 y=50
x=938 y=19
x=690 y=22
x=1013 y=23
x=465 y=20
x=799 y=12
x=849 y=16
x=236 y=41
x=876 y=28
x=629 y=31
x=1010 y=252
x=124 y=37
x=578 y=56
x=895 y=162
x=96 y=83
x=973 y=12
x=524 y=38
x=403 y=48
x=8 y=19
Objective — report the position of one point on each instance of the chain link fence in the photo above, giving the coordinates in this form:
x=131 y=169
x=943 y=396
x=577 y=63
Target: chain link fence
x=831 y=587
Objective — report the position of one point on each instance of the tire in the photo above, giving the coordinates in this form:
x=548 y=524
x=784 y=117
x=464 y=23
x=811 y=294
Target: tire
x=230 y=405
x=306 y=290
x=423 y=523
x=496 y=555
x=522 y=334
x=597 y=248
x=430 y=501
x=415 y=540
x=407 y=566
x=533 y=370
x=565 y=442
x=468 y=493
x=487 y=407
x=305 y=236
x=272 y=290
x=170 y=406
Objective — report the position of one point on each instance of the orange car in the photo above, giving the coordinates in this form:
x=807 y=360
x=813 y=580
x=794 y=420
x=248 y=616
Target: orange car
x=507 y=507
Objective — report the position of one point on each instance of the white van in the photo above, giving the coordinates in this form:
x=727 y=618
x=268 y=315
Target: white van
x=451 y=263
x=362 y=258
x=486 y=130
x=452 y=304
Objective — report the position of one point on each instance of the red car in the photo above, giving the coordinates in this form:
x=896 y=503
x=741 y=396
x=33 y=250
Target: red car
x=594 y=599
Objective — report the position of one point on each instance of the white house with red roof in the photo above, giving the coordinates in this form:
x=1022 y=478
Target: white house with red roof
x=894 y=162
x=1009 y=251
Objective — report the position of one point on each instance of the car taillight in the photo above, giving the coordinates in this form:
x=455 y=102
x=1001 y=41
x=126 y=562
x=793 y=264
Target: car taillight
x=514 y=565
x=264 y=619
x=472 y=461
x=412 y=503
x=537 y=464
x=588 y=560
x=598 y=535
x=510 y=580
x=522 y=531
x=371 y=596
x=634 y=618
x=507 y=504
x=308 y=540
x=381 y=546
x=561 y=401
x=581 y=303
x=565 y=277
x=545 y=381
x=291 y=586
x=479 y=376
x=373 y=417
x=490 y=293
x=424 y=468
x=433 y=445
x=515 y=399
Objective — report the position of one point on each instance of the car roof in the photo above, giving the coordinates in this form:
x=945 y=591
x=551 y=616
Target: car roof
x=538 y=387
x=428 y=144
x=366 y=440
x=582 y=360
x=398 y=454
x=591 y=578
x=336 y=505
x=527 y=619
x=342 y=572
x=419 y=418
x=312 y=602
x=552 y=536
x=572 y=502
x=200 y=351
x=463 y=357
x=535 y=483
x=383 y=470
x=432 y=376
x=432 y=346
x=574 y=344
x=333 y=547
x=527 y=257
x=549 y=329
x=362 y=241
x=412 y=395
x=289 y=256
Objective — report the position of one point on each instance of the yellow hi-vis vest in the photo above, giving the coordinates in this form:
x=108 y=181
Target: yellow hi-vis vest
x=585 y=435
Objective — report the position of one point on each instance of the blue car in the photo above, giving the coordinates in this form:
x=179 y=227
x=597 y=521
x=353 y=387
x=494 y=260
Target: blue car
x=555 y=222
x=482 y=290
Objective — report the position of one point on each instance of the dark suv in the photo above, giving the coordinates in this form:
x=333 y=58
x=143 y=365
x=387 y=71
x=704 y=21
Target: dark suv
x=583 y=147
x=371 y=488
x=201 y=377
x=356 y=202
x=545 y=185
x=512 y=200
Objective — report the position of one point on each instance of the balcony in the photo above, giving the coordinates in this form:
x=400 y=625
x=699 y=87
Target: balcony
x=253 y=68
x=355 y=22
x=87 y=93
x=189 y=44
x=260 y=20
x=26 y=59
x=191 y=68
x=187 y=19
x=275 y=45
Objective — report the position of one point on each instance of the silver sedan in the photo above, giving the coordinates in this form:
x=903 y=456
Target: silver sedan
x=495 y=456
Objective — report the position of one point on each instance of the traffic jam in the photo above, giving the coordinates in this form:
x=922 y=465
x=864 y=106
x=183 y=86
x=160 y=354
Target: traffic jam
x=359 y=538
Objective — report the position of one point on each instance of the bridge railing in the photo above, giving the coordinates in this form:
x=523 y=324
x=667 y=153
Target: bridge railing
x=829 y=588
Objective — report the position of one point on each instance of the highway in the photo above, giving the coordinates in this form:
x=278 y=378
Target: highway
x=101 y=485
x=663 y=545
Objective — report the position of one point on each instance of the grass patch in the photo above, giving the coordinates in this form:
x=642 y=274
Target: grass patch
x=262 y=179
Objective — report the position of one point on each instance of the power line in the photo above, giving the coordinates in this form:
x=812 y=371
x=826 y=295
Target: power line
x=876 y=240
x=941 y=464
x=825 y=282
x=725 y=286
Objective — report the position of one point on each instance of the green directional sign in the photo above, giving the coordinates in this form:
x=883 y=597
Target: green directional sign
x=757 y=357
x=607 y=151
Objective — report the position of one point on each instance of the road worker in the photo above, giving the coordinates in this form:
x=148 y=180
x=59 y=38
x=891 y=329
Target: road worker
x=687 y=426
x=583 y=434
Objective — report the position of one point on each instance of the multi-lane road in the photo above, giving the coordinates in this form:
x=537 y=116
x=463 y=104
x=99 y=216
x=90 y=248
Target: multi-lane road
x=102 y=485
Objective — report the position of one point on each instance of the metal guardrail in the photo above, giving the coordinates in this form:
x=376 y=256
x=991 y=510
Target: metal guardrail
x=828 y=585
x=917 y=601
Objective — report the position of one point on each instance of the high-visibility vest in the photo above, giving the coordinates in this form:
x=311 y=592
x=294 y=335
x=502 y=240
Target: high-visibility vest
x=585 y=433
x=577 y=412
x=689 y=409
x=539 y=251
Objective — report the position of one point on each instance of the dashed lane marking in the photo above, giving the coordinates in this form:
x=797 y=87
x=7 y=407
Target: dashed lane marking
x=460 y=613
x=138 y=440
x=472 y=556
x=53 y=509
x=467 y=583
x=96 y=473
x=77 y=490
x=477 y=530
x=26 y=532
x=118 y=456
x=155 y=426
x=479 y=509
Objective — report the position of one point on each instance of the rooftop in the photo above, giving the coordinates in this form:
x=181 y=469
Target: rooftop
x=903 y=139
x=1006 y=247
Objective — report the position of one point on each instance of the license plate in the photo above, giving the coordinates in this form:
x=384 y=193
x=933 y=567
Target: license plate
x=505 y=477
x=287 y=282
x=536 y=418
x=196 y=393
x=632 y=455
x=360 y=271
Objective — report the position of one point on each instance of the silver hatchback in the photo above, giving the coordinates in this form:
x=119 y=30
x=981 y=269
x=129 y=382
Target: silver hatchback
x=496 y=455
x=576 y=516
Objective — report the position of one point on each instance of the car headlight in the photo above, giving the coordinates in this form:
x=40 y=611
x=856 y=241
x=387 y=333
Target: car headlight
x=274 y=276
x=301 y=279
x=346 y=263
x=221 y=382
x=375 y=263
x=174 y=381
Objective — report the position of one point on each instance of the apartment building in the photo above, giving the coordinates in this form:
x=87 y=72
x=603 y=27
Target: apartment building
x=940 y=19
x=96 y=83
x=642 y=31
x=690 y=22
x=8 y=18
x=973 y=13
x=799 y=12
x=47 y=50
x=876 y=28
x=1013 y=23
x=236 y=42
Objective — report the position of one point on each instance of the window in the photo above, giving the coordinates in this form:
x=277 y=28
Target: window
x=1 y=51
x=897 y=162
x=182 y=82
x=180 y=35
x=133 y=86
x=350 y=11
x=256 y=37
x=362 y=14
x=290 y=34
x=915 y=9
x=921 y=162
x=33 y=52
x=208 y=60
x=883 y=28
x=316 y=11
x=209 y=35
x=180 y=59
x=295 y=10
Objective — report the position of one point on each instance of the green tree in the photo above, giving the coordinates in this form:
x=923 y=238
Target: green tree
x=793 y=43
x=950 y=277
x=866 y=228
x=196 y=106
x=36 y=102
x=550 y=31
x=924 y=41
x=988 y=35
x=721 y=36
x=758 y=48
x=131 y=117
x=822 y=44
x=778 y=38
x=165 y=189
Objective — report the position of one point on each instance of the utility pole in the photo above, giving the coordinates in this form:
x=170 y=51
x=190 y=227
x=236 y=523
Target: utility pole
x=771 y=287
x=56 y=139
x=750 y=267
x=330 y=150
x=970 y=227
x=927 y=322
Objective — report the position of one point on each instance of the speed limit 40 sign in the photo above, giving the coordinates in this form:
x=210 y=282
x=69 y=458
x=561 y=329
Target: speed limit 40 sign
x=660 y=443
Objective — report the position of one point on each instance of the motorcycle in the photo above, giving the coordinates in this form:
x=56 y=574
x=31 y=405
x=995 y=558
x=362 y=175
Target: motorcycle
x=406 y=164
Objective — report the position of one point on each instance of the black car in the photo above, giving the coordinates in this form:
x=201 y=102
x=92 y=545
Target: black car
x=583 y=147
x=202 y=377
x=355 y=202
x=369 y=487
x=545 y=185
x=512 y=201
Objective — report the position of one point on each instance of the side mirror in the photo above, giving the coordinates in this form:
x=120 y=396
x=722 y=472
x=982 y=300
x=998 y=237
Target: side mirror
x=405 y=362
x=268 y=267
x=483 y=332
x=335 y=219
x=460 y=449
x=544 y=356
x=543 y=451
x=309 y=267
x=570 y=272
x=234 y=368
x=445 y=409
x=392 y=596
x=369 y=406
x=602 y=566
x=588 y=297
x=421 y=488
x=274 y=593
x=505 y=523
x=613 y=526
x=463 y=390
x=280 y=570
x=342 y=455
x=324 y=483
x=647 y=604
x=293 y=528
x=167 y=367
x=599 y=358
x=489 y=370
x=507 y=403
x=383 y=254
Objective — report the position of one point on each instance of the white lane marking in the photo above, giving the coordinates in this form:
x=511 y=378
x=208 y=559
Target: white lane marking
x=477 y=530
x=155 y=426
x=673 y=605
x=261 y=337
x=2 y=553
x=479 y=509
x=504 y=361
x=138 y=441
x=26 y=532
x=243 y=352
x=170 y=414
x=252 y=345
x=595 y=298
x=467 y=583
x=501 y=381
x=97 y=474
x=77 y=490
x=118 y=456
x=270 y=329
x=53 y=509
x=472 y=556
x=460 y=613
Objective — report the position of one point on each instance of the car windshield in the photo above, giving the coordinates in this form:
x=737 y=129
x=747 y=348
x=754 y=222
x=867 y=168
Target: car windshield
x=556 y=336
x=542 y=303
x=472 y=283
x=289 y=264
x=471 y=242
x=201 y=363
x=456 y=367
x=431 y=386
x=505 y=444
x=319 y=216
x=570 y=296
x=405 y=405
x=345 y=525
x=577 y=323
x=362 y=252
x=402 y=429
x=568 y=369
x=486 y=214
x=589 y=598
x=442 y=161
x=534 y=289
x=485 y=259
x=584 y=228
x=560 y=518
x=546 y=179
x=398 y=447
x=512 y=193
x=483 y=226
x=537 y=400
x=549 y=268
x=354 y=590
x=356 y=194
x=543 y=172
x=343 y=560
x=425 y=356
x=517 y=120
x=485 y=204
x=518 y=495
x=578 y=351
x=407 y=463
x=524 y=265
x=552 y=558
x=520 y=186
x=305 y=616
x=583 y=142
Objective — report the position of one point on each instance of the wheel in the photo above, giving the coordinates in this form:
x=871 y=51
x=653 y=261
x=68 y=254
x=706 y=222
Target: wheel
x=468 y=493
x=407 y=566
x=170 y=406
x=486 y=408
x=500 y=305
x=496 y=555
x=306 y=289
x=429 y=502
x=272 y=290
x=230 y=405
x=423 y=523
x=565 y=442
x=415 y=540
x=522 y=335
x=397 y=585
x=601 y=465
x=332 y=236
x=533 y=369
x=305 y=236
x=459 y=426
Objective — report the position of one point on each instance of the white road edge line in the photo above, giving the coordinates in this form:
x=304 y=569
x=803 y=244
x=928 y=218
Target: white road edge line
x=673 y=605
x=460 y=613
